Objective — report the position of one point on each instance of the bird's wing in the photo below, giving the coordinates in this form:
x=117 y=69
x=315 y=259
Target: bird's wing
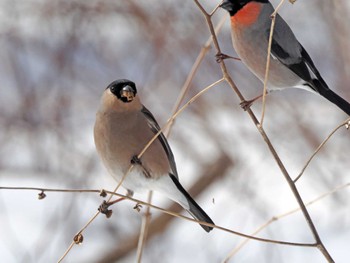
x=287 y=49
x=152 y=123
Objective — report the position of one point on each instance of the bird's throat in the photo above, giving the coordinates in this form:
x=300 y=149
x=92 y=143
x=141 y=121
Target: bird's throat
x=247 y=15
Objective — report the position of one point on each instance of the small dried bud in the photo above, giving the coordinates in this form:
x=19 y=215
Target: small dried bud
x=109 y=213
x=41 y=195
x=104 y=209
x=78 y=239
x=103 y=193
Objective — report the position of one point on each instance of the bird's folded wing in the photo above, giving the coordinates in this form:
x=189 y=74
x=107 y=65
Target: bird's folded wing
x=155 y=129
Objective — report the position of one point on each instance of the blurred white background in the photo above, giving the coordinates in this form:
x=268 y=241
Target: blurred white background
x=56 y=58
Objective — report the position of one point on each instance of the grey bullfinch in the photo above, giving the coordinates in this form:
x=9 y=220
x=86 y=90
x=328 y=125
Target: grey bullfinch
x=122 y=129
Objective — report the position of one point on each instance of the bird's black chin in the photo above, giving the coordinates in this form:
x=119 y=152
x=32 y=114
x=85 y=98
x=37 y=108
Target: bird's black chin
x=232 y=6
x=125 y=100
x=227 y=5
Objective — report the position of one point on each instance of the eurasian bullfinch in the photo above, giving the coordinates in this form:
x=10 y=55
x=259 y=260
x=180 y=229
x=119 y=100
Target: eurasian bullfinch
x=122 y=129
x=290 y=64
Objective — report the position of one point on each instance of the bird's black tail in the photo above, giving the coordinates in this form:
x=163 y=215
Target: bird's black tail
x=195 y=210
x=322 y=88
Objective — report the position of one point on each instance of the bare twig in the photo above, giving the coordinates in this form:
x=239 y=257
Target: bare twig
x=146 y=219
x=193 y=72
x=280 y=242
x=78 y=238
x=174 y=116
x=268 y=59
x=319 y=148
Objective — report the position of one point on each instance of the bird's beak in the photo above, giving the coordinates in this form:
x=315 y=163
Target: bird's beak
x=227 y=5
x=128 y=93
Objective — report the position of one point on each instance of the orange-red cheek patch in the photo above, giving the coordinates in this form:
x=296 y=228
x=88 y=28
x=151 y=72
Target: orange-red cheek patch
x=247 y=15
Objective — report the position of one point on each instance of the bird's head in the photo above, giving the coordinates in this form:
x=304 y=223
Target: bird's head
x=125 y=90
x=120 y=96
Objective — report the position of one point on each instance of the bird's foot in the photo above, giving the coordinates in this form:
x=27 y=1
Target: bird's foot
x=135 y=160
x=221 y=56
x=246 y=104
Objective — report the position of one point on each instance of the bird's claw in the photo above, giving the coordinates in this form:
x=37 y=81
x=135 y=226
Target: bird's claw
x=246 y=104
x=135 y=160
x=221 y=56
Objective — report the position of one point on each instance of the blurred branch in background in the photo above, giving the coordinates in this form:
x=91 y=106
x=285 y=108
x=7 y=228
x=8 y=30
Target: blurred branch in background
x=334 y=13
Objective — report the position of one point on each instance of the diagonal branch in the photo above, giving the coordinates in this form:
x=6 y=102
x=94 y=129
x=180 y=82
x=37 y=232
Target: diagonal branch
x=319 y=148
x=267 y=69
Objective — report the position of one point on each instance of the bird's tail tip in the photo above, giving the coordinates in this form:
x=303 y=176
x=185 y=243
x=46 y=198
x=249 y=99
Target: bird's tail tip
x=200 y=215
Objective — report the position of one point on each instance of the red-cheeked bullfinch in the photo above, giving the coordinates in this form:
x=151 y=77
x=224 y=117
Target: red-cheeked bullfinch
x=122 y=129
x=290 y=64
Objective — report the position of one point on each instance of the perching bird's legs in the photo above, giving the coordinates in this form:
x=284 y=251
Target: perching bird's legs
x=221 y=56
x=137 y=161
x=248 y=103
x=103 y=208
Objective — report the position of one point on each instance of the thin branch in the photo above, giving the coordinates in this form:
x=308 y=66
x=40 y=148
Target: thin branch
x=319 y=148
x=267 y=69
x=146 y=219
x=66 y=252
x=137 y=201
x=193 y=72
x=78 y=238
x=174 y=116
x=215 y=9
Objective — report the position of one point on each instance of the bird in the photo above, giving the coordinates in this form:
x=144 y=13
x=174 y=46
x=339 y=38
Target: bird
x=122 y=129
x=290 y=64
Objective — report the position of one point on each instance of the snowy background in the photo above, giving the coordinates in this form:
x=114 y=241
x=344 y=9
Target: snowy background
x=56 y=58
